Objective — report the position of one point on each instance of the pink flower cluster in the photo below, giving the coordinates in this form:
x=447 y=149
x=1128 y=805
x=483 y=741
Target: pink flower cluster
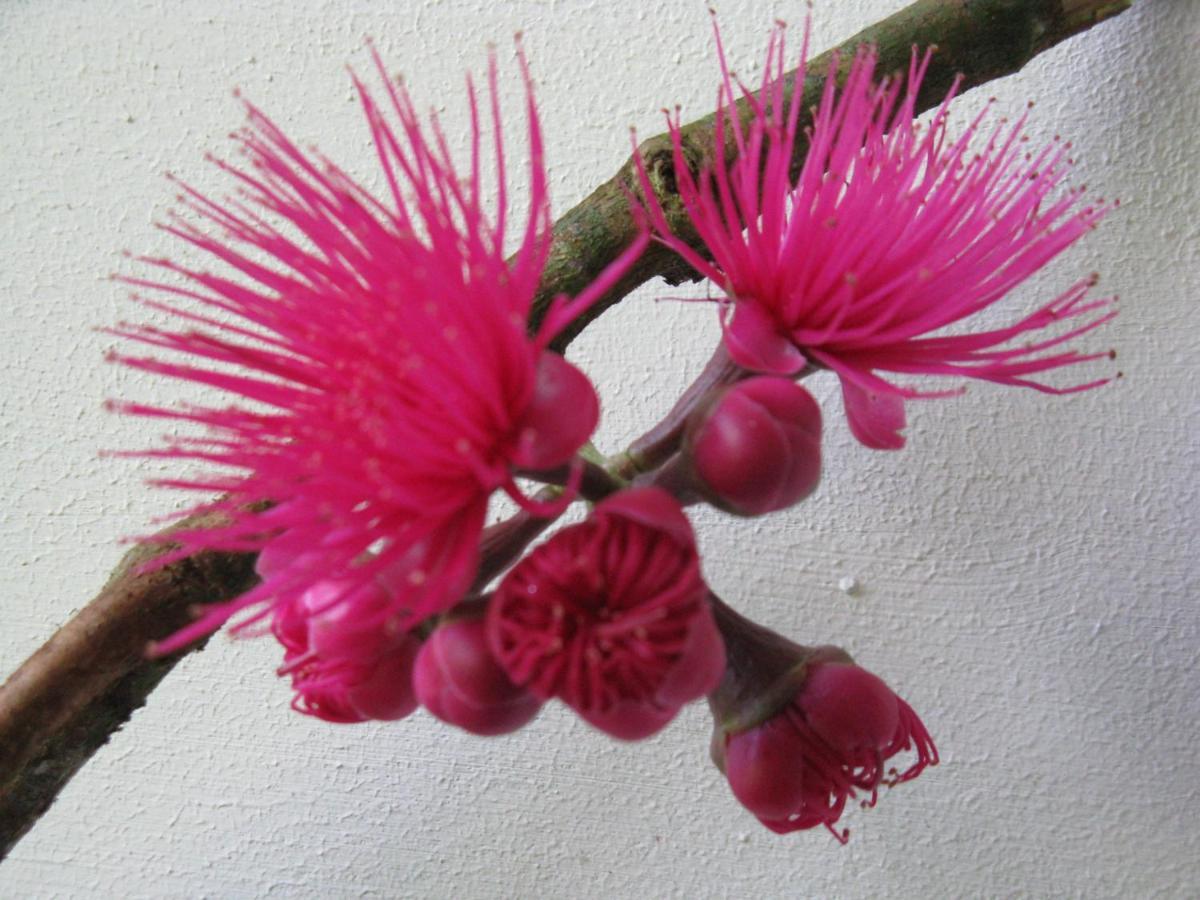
x=381 y=380
x=380 y=386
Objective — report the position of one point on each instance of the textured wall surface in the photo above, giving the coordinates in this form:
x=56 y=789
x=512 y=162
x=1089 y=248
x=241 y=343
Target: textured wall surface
x=1027 y=567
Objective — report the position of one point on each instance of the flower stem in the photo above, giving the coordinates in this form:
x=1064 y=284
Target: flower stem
x=661 y=442
x=763 y=669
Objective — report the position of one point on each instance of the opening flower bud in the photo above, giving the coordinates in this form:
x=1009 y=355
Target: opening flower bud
x=346 y=660
x=354 y=690
x=458 y=680
x=612 y=617
x=755 y=447
x=799 y=731
x=386 y=692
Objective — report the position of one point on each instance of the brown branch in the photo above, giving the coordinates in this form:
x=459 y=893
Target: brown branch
x=85 y=682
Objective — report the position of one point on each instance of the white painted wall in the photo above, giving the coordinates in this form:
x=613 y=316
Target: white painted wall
x=1028 y=565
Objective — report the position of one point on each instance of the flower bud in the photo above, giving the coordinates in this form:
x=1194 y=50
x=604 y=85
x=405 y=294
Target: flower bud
x=386 y=691
x=347 y=662
x=346 y=620
x=612 y=617
x=800 y=731
x=755 y=447
x=342 y=690
x=458 y=680
x=561 y=415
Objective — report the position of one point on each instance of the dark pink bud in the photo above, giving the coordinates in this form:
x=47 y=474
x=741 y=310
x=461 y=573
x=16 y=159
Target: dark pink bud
x=852 y=710
x=345 y=690
x=347 y=620
x=347 y=659
x=612 y=617
x=386 y=693
x=561 y=415
x=756 y=447
x=760 y=764
x=801 y=731
x=458 y=680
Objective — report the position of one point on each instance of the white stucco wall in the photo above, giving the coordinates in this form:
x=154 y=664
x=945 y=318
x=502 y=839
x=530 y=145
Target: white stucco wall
x=1027 y=567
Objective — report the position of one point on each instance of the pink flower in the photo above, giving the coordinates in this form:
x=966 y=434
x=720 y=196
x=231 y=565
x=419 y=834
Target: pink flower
x=344 y=674
x=755 y=447
x=892 y=233
x=611 y=616
x=378 y=380
x=458 y=680
x=800 y=731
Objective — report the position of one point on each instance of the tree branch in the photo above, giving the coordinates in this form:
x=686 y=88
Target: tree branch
x=66 y=700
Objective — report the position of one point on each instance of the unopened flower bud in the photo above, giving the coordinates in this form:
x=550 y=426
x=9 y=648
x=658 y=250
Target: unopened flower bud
x=458 y=680
x=755 y=447
x=611 y=616
x=800 y=730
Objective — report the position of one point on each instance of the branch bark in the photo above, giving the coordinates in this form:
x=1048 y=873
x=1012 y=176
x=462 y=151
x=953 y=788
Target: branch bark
x=67 y=699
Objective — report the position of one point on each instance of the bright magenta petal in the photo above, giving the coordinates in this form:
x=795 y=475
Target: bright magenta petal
x=755 y=343
x=561 y=416
x=876 y=419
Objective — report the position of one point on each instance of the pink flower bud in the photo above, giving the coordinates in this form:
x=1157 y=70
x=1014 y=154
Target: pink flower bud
x=800 y=731
x=386 y=692
x=347 y=621
x=756 y=447
x=611 y=616
x=348 y=662
x=342 y=690
x=560 y=417
x=459 y=681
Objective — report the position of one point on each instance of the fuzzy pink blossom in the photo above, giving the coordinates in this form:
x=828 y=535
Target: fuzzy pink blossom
x=892 y=234
x=611 y=616
x=379 y=382
x=801 y=731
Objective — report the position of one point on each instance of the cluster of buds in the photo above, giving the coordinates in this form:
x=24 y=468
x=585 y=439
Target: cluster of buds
x=389 y=386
